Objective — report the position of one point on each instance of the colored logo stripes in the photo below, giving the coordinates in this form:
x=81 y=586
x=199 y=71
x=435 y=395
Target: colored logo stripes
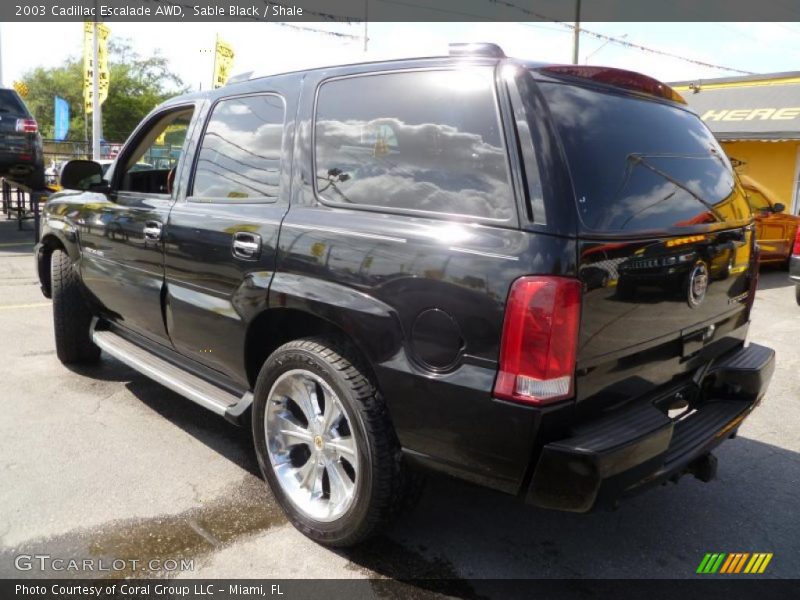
x=735 y=562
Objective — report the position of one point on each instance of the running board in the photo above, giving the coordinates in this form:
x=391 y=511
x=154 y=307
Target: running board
x=186 y=384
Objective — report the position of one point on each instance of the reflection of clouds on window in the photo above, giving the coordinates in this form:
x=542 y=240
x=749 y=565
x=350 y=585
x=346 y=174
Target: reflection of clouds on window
x=640 y=164
x=241 y=149
x=413 y=141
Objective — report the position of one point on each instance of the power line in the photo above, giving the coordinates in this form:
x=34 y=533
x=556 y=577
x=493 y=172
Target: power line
x=538 y=16
x=639 y=47
x=315 y=30
x=600 y=36
x=618 y=41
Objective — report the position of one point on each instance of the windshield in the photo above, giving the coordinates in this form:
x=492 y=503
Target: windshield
x=640 y=165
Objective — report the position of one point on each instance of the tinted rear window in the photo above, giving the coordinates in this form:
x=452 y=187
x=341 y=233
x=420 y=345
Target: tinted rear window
x=640 y=165
x=10 y=103
x=422 y=141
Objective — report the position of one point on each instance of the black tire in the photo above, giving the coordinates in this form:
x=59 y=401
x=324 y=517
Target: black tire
x=797 y=293
x=71 y=315
x=385 y=486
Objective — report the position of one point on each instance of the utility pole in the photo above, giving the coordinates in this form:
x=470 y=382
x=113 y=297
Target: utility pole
x=366 y=18
x=576 y=32
x=214 y=66
x=96 y=116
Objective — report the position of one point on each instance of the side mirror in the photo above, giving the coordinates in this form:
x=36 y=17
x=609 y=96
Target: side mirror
x=778 y=207
x=81 y=175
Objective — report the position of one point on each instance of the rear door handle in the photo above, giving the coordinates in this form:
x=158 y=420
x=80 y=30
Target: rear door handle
x=152 y=231
x=246 y=245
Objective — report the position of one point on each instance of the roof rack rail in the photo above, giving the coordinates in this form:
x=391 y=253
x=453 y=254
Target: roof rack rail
x=486 y=49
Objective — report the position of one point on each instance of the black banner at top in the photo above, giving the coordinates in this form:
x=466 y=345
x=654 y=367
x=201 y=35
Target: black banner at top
x=400 y=10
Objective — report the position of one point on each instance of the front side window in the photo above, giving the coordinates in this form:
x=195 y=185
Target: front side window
x=241 y=150
x=149 y=167
x=424 y=141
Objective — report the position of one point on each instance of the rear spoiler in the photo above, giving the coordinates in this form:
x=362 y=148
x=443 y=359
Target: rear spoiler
x=630 y=80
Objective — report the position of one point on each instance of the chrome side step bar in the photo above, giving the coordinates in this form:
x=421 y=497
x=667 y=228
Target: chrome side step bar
x=178 y=380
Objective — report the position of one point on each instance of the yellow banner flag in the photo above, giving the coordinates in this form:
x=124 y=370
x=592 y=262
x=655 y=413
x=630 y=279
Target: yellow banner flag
x=223 y=61
x=103 y=76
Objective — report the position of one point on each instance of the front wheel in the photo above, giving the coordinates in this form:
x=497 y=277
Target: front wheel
x=325 y=443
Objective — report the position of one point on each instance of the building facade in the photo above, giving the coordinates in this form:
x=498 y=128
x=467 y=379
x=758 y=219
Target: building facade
x=757 y=120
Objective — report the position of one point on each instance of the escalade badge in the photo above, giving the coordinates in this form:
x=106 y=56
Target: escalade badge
x=698 y=284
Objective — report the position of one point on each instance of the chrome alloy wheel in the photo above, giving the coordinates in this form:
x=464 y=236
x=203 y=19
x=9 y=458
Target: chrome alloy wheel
x=311 y=445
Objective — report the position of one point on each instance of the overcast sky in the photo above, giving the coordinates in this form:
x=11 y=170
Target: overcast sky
x=271 y=48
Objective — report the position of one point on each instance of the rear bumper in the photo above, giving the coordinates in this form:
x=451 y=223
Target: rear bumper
x=640 y=446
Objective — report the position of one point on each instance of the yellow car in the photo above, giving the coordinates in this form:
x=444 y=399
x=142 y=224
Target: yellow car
x=775 y=229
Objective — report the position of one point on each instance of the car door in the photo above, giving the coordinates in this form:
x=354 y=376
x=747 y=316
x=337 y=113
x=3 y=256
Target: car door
x=121 y=233
x=222 y=234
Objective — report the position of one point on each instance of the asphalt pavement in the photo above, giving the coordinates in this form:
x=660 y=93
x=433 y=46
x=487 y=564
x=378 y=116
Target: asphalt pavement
x=102 y=462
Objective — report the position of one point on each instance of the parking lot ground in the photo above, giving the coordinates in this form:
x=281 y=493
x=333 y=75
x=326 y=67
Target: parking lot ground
x=101 y=462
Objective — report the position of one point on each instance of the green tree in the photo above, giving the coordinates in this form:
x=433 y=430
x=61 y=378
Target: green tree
x=136 y=86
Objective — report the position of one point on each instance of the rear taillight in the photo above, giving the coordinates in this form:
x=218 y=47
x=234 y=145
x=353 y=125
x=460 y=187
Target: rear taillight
x=540 y=340
x=796 y=247
x=27 y=126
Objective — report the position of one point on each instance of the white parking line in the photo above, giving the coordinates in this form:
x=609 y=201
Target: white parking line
x=34 y=305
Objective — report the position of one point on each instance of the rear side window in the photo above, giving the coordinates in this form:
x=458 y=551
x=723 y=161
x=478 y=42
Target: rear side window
x=240 y=155
x=10 y=103
x=640 y=165
x=421 y=141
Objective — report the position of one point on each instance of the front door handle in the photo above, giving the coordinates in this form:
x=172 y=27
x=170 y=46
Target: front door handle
x=152 y=231
x=246 y=245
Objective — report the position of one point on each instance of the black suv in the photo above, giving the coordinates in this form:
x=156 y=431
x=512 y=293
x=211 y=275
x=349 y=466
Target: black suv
x=21 y=157
x=417 y=263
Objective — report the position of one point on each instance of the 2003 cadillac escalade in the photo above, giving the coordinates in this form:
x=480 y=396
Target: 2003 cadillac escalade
x=535 y=277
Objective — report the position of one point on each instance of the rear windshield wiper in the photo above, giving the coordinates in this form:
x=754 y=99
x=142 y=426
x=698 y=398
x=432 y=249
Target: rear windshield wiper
x=640 y=160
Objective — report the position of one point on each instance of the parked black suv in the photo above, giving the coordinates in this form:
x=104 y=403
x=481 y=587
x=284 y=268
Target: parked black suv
x=21 y=158
x=387 y=265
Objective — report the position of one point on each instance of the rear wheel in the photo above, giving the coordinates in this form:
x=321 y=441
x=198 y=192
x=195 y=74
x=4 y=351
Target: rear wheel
x=72 y=317
x=325 y=443
x=797 y=293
